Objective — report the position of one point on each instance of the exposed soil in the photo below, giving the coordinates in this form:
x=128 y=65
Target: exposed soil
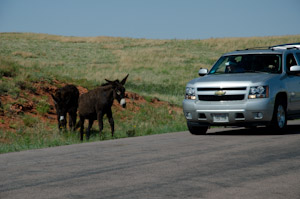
x=26 y=104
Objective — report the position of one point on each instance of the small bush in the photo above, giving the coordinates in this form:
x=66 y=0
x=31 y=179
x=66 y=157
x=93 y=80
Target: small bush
x=24 y=54
x=23 y=85
x=4 y=87
x=42 y=107
x=29 y=121
x=8 y=68
x=38 y=77
x=9 y=87
x=14 y=91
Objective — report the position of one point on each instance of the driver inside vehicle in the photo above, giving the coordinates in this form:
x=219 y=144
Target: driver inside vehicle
x=232 y=67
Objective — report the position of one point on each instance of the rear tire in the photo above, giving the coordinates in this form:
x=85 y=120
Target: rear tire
x=197 y=130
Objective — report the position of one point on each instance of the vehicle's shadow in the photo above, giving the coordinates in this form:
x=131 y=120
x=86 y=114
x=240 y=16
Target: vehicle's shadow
x=291 y=129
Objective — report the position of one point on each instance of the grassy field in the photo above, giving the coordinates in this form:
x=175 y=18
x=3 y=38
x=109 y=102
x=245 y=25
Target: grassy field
x=157 y=68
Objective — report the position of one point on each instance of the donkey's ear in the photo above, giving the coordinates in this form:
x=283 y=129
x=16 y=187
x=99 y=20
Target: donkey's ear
x=124 y=80
x=55 y=99
x=110 y=82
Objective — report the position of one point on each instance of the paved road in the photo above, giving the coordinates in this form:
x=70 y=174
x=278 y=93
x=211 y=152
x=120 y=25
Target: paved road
x=227 y=163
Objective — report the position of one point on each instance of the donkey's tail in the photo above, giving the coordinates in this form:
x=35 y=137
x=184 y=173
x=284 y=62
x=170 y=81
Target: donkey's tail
x=78 y=125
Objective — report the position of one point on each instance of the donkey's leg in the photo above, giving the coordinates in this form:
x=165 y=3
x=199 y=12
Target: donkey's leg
x=81 y=122
x=100 y=121
x=72 y=120
x=111 y=122
x=91 y=121
x=61 y=123
x=58 y=123
x=64 y=122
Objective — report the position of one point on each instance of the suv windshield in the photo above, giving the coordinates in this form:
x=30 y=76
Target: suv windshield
x=269 y=63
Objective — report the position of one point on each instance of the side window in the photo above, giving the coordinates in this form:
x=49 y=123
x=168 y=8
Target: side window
x=298 y=57
x=290 y=61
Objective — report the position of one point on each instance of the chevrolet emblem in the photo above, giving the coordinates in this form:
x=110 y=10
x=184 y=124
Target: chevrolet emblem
x=220 y=93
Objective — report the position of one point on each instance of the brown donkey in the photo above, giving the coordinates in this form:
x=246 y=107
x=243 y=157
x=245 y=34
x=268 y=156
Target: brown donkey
x=66 y=101
x=94 y=104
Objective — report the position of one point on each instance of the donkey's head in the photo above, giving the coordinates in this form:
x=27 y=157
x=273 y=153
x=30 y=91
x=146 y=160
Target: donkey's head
x=61 y=109
x=119 y=90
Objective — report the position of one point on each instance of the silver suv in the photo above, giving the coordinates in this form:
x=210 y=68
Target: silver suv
x=246 y=88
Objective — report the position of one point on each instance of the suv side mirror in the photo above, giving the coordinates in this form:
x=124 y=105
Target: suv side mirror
x=202 y=72
x=295 y=69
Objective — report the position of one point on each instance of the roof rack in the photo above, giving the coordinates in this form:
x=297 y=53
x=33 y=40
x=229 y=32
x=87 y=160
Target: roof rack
x=276 y=47
x=285 y=46
x=257 y=48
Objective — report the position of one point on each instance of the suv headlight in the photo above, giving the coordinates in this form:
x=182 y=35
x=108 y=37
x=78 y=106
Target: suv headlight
x=190 y=93
x=258 y=92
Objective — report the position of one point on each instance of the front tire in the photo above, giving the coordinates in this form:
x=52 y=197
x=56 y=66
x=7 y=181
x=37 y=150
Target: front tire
x=197 y=130
x=279 y=120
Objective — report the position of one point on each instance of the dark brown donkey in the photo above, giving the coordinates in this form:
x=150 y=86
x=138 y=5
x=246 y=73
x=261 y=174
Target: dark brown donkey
x=66 y=101
x=94 y=104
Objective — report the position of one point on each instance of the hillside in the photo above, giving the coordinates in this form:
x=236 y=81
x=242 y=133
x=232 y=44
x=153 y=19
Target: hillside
x=158 y=68
x=34 y=65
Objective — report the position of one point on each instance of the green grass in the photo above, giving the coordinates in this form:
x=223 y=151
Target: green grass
x=35 y=137
x=157 y=68
x=42 y=107
x=35 y=134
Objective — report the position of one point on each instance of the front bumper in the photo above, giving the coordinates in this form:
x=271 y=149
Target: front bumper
x=233 y=113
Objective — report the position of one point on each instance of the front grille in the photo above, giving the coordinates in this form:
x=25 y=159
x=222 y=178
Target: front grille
x=224 y=89
x=220 y=98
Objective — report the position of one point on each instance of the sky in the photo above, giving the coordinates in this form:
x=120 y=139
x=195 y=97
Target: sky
x=152 y=19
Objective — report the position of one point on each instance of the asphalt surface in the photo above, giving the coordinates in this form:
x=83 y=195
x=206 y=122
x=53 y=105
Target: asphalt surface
x=226 y=163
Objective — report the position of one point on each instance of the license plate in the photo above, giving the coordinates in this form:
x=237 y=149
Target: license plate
x=220 y=117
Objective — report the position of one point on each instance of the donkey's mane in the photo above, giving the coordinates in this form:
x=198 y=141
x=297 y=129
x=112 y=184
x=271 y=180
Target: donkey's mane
x=106 y=86
x=107 y=83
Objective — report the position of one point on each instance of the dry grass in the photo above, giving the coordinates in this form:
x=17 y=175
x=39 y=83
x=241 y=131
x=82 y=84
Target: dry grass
x=231 y=44
x=24 y=54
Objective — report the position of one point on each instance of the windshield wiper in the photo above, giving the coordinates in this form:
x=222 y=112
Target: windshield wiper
x=255 y=71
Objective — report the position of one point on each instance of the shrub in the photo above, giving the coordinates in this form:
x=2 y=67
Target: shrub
x=29 y=121
x=8 y=68
x=42 y=107
x=4 y=87
x=24 y=54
